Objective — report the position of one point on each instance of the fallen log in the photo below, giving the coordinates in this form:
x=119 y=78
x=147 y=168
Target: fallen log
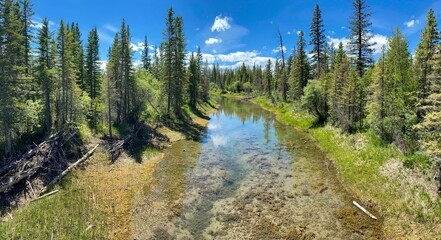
x=17 y=178
x=364 y=210
x=59 y=177
x=45 y=195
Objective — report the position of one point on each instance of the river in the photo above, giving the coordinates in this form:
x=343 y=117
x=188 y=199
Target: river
x=249 y=177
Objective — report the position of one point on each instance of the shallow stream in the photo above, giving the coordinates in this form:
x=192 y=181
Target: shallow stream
x=250 y=177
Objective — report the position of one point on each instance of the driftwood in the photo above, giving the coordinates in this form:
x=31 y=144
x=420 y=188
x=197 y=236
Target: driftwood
x=31 y=161
x=45 y=195
x=364 y=210
x=59 y=177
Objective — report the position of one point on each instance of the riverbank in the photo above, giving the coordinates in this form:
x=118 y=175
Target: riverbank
x=96 y=201
x=406 y=196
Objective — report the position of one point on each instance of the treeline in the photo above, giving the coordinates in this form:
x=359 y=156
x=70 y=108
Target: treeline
x=397 y=97
x=50 y=80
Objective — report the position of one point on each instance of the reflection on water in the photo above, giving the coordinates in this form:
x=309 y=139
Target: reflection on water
x=252 y=178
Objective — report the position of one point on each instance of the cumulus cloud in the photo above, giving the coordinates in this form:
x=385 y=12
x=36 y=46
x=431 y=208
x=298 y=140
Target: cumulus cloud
x=377 y=39
x=211 y=41
x=412 y=23
x=236 y=59
x=237 y=56
x=137 y=47
x=221 y=24
x=277 y=50
x=336 y=41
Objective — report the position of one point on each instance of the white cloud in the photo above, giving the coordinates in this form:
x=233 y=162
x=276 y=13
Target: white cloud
x=214 y=51
x=137 y=47
x=213 y=41
x=236 y=59
x=289 y=33
x=298 y=32
x=111 y=28
x=277 y=50
x=237 y=56
x=412 y=23
x=103 y=65
x=378 y=40
x=210 y=58
x=221 y=24
x=336 y=41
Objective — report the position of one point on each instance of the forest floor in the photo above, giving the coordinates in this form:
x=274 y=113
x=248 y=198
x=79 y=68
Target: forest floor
x=401 y=187
x=96 y=200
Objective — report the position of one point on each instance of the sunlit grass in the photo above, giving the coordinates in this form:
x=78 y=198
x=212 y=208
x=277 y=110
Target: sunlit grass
x=69 y=214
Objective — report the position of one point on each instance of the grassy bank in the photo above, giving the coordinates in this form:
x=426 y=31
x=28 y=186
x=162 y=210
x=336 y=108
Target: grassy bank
x=95 y=201
x=401 y=186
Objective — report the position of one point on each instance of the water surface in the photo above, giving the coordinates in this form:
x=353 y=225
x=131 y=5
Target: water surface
x=249 y=177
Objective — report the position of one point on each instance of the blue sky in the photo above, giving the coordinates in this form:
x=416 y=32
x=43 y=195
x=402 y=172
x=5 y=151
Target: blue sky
x=231 y=31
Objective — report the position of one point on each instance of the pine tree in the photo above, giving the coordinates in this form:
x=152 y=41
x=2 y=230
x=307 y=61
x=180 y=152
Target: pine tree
x=205 y=83
x=267 y=83
x=26 y=15
x=340 y=78
x=299 y=75
x=12 y=67
x=93 y=78
x=318 y=39
x=78 y=55
x=194 y=80
x=114 y=82
x=424 y=54
x=180 y=83
x=167 y=45
x=377 y=103
x=399 y=86
x=45 y=74
x=360 y=46
x=430 y=128
x=145 y=58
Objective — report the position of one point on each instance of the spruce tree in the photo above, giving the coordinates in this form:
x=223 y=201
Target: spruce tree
x=267 y=83
x=300 y=70
x=145 y=58
x=318 y=39
x=12 y=60
x=93 y=77
x=340 y=78
x=424 y=54
x=26 y=15
x=399 y=86
x=167 y=46
x=45 y=74
x=78 y=55
x=360 y=45
x=430 y=128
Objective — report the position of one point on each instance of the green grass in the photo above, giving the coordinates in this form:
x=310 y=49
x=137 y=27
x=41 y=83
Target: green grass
x=64 y=215
x=360 y=160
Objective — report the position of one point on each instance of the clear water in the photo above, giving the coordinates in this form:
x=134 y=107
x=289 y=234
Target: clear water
x=249 y=177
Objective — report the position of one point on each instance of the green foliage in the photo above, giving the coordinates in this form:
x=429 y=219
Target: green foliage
x=148 y=102
x=314 y=100
x=299 y=74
